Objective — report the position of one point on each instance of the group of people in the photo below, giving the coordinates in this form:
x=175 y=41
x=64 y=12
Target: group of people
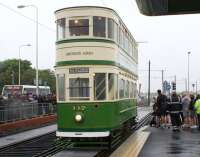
x=178 y=111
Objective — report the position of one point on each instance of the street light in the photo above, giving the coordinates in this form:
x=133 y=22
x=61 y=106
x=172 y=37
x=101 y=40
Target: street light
x=19 y=79
x=36 y=8
x=189 y=71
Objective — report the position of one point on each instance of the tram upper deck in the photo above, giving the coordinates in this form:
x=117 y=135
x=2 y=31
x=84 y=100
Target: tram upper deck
x=94 y=35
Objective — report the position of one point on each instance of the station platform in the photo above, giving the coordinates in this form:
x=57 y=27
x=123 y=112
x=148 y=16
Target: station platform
x=166 y=143
x=160 y=142
x=11 y=139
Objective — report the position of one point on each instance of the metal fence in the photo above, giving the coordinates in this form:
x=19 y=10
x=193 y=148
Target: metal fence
x=24 y=110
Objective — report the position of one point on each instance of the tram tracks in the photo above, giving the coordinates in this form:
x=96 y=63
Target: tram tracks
x=48 y=145
x=32 y=147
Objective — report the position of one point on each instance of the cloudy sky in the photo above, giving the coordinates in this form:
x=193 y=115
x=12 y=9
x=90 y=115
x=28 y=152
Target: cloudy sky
x=168 y=38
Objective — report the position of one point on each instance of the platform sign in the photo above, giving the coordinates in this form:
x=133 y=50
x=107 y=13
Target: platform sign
x=165 y=83
x=168 y=86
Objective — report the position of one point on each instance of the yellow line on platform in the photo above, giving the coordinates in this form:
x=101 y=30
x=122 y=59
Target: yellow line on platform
x=133 y=145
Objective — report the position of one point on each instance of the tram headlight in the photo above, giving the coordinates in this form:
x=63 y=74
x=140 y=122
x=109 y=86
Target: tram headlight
x=78 y=118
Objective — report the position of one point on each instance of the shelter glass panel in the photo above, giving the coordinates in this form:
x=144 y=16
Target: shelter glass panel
x=61 y=29
x=100 y=86
x=79 y=89
x=99 y=26
x=79 y=27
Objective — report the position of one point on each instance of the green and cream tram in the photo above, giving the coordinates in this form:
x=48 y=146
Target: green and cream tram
x=96 y=71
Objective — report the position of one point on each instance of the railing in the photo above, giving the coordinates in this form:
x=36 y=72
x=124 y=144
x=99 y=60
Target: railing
x=24 y=110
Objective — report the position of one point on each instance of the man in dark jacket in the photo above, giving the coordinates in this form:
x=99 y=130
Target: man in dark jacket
x=161 y=107
x=175 y=108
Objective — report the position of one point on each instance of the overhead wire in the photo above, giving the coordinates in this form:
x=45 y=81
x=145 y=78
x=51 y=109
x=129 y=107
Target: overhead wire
x=43 y=25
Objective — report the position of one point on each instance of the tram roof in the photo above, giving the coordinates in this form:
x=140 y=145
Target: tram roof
x=76 y=7
x=99 y=7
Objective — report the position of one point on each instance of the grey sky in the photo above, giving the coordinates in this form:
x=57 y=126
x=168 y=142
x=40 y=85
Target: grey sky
x=169 y=37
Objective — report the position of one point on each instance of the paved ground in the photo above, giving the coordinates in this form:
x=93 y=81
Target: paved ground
x=166 y=143
x=26 y=135
x=77 y=153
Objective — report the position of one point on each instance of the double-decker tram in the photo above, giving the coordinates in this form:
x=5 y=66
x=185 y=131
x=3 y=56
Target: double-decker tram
x=96 y=73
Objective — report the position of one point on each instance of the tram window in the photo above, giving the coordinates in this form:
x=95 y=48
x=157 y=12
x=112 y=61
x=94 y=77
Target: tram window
x=127 y=89
x=99 y=26
x=111 y=86
x=110 y=28
x=116 y=86
x=79 y=27
x=131 y=90
x=130 y=48
x=60 y=29
x=79 y=89
x=100 y=86
x=135 y=90
x=123 y=39
x=126 y=42
x=61 y=87
x=120 y=37
x=121 y=88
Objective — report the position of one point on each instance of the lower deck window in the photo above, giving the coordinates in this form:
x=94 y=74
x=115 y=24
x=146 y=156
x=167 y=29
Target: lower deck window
x=100 y=86
x=79 y=89
x=121 y=88
x=61 y=87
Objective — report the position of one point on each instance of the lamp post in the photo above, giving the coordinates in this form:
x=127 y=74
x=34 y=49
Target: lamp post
x=189 y=71
x=19 y=79
x=36 y=8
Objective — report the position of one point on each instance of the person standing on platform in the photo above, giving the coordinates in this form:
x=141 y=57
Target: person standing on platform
x=175 y=108
x=186 y=103
x=161 y=107
x=193 y=120
x=197 y=109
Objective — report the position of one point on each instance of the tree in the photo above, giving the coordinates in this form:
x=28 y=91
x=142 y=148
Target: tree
x=9 y=73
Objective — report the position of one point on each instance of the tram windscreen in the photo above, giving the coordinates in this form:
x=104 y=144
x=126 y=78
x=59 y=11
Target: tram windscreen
x=12 y=90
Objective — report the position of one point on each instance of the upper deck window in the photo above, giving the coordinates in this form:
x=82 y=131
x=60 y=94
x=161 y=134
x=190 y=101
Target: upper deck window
x=79 y=27
x=61 y=29
x=99 y=26
x=112 y=29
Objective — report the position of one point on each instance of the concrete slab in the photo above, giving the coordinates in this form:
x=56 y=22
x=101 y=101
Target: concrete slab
x=133 y=145
x=166 y=143
x=77 y=153
x=26 y=135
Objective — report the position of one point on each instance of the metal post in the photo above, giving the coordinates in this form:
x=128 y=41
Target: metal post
x=175 y=81
x=13 y=77
x=36 y=8
x=196 y=87
x=37 y=87
x=19 y=79
x=162 y=79
x=19 y=82
x=189 y=71
x=149 y=83
x=186 y=85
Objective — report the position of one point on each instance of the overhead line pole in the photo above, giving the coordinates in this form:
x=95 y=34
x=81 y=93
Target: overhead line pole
x=162 y=79
x=149 y=81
